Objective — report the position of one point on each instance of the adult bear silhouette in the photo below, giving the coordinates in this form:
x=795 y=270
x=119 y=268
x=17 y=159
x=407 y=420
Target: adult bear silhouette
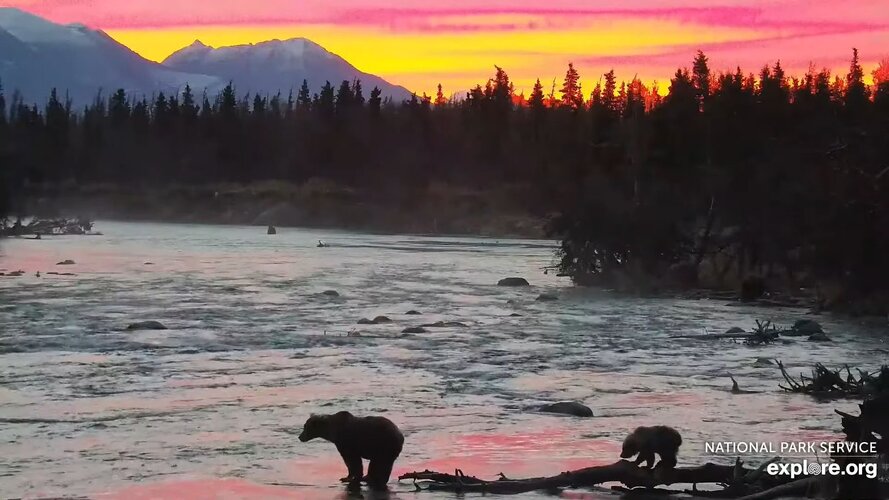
x=376 y=439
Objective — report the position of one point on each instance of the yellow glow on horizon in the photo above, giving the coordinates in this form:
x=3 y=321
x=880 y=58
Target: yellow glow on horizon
x=459 y=60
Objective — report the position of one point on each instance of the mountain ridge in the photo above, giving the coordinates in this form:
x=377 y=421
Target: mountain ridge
x=275 y=66
x=37 y=55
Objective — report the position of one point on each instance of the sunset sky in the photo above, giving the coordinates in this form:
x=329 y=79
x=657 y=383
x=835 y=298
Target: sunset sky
x=457 y=42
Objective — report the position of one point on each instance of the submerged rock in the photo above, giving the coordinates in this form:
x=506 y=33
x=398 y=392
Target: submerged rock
x=414 y=329
x=513 y=282
x=763 y=362
x=515 y=315
x=547 y=297
x=444 y=324
x=568 y=408
x=147 y=325
x=330 y=293
x=67 y=262
x=735 y=329
x=376 y=321
x=413 y=312
x=820 y=337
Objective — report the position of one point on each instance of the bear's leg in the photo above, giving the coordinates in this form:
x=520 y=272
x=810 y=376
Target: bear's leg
x=378 y=472
x=353 y=464
x=668 y=460
x=647 y=457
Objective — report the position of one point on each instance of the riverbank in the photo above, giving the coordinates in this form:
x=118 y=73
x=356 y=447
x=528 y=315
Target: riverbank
x=436 y=209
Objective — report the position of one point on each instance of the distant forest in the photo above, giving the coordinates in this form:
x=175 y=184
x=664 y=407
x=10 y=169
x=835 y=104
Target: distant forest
x=788 y=174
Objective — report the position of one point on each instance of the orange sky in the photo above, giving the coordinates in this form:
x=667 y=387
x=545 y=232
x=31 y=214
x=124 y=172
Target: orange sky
x=457 y=43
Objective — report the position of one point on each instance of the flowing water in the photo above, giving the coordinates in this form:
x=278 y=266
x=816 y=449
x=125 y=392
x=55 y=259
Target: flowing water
x=210 y=407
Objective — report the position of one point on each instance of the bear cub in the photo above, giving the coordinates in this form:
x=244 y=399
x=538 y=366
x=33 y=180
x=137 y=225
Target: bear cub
x=646 y=441
x=376 y=439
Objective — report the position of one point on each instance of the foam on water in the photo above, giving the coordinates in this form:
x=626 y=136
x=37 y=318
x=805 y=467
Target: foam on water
x=208 y=407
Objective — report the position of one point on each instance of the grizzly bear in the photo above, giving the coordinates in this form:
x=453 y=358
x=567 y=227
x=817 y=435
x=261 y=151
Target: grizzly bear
x=646 y=441
x=375 y=438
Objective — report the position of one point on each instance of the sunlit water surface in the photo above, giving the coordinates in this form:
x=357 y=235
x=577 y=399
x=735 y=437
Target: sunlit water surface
x=210 y=407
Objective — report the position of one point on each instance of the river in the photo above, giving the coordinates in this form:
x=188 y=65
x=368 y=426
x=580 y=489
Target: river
x=210 y=407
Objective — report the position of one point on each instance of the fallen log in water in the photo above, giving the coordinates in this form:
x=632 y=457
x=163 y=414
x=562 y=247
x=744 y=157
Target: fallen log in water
x=764 y=333
x=39 y=226
x=737 y=479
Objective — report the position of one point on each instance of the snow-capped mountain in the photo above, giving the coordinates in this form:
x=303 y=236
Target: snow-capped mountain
x=276 y=65
x=37 y=55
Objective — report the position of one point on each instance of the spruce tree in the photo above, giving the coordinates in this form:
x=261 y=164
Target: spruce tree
x=571 y=91
x=303 y=99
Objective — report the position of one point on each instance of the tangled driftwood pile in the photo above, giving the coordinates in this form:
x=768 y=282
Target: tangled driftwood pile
x=40 y=226
x=824 y=382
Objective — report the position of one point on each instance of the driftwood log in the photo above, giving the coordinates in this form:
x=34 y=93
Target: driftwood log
x=736 y=479
x=870 y=426
x=764 y=333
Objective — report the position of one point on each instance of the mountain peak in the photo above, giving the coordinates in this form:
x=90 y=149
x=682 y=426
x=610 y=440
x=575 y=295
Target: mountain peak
x=197 y=44
x=274 y=65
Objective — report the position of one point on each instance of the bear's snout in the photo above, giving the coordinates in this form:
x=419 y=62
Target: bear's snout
x=303 y=437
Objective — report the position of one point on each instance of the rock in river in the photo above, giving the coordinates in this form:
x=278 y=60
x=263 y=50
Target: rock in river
x=67 y=262
x=513 y=282
x=330 y=293
x=414 y=329
x=568 y=408
x=376 y=321
x=147 y=325
x=271 y=230
x=413 y=312
x=547 y=297
x=807 y=327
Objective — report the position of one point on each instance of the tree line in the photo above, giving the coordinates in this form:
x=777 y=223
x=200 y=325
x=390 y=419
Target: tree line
x=787 y=172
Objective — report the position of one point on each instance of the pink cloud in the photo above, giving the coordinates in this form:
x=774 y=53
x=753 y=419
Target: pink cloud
x=405 y=15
